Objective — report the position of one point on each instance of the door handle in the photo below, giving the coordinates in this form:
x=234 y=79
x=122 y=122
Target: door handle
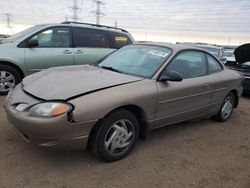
x=79 y=52
x=67 y=52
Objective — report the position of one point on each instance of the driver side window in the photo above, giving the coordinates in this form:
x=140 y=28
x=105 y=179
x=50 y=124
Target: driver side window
x=189 y=64
x=58 y=37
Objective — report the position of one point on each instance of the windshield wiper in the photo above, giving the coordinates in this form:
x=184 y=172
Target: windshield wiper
x=112 y=69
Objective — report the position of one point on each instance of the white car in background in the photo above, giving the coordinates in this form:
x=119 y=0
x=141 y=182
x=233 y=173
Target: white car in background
x=229 y=55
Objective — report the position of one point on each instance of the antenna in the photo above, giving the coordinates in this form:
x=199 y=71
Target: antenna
x=98 y=11
x=75 y=10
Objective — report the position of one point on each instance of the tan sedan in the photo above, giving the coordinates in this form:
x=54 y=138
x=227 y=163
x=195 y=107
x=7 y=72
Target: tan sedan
x=110 y=105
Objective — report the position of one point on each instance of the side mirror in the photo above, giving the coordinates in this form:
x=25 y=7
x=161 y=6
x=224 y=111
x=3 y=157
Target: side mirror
x=171 y=76
x=33 y=43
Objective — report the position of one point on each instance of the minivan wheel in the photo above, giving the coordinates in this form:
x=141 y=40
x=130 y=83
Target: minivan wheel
x=116 y=136
x=9 y=78
x=226 y=109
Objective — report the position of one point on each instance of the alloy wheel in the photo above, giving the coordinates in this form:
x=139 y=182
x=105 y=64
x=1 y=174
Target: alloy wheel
x=119 y=137
x=7 y=81
x=227 y=108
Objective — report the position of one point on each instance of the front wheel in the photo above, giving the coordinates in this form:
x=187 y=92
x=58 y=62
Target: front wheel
x=226 y=109
x=116 y=136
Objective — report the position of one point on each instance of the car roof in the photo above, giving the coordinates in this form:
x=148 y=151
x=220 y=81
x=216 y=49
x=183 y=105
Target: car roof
x=174 y=47
x=208 y=46
x=95 y=26
x=88 y=25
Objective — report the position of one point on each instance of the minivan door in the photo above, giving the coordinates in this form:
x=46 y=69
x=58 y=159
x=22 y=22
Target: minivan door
x=53 y=49
x=90 y=45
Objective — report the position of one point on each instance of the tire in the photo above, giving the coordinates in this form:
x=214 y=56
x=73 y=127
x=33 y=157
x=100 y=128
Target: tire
x=226 y=109
x=9 y=77
x=116 y=136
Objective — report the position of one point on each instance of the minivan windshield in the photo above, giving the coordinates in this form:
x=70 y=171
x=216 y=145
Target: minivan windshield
x=137 y=60
x=21 y=34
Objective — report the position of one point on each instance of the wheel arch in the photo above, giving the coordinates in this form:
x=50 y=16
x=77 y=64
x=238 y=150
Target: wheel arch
x=136 y=110
x=236 y=97
x=19 y=70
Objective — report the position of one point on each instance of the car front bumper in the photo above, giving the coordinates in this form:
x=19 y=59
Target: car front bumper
x=49 y=132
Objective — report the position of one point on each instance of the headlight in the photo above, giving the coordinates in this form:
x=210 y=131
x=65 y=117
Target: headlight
x=50 y=109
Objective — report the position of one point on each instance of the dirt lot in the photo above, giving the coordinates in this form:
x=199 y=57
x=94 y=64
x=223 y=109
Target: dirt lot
x=200 y=153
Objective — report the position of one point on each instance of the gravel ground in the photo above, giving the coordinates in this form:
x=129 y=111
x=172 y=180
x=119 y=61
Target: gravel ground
x=200 y=153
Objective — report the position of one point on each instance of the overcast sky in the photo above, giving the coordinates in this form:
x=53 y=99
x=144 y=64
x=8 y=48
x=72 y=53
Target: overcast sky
x=215 y=21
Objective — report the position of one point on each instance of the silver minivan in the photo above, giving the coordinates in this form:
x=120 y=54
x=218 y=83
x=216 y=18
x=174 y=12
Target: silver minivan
x=52 y=45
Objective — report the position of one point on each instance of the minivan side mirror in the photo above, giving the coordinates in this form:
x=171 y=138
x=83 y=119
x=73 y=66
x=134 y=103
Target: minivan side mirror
x=171 y=76
x=33 y=43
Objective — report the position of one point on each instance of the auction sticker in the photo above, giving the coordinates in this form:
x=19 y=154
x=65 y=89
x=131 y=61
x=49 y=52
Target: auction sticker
x=158 y=53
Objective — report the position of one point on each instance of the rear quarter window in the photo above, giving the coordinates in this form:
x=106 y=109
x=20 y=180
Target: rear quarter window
x=119 y=40
x=213 y=65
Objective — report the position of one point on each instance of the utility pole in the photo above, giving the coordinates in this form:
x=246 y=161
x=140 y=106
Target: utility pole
x=66 y=18
x=8 y=21
x=75 y=10
x=116 y=24
x=98 y=11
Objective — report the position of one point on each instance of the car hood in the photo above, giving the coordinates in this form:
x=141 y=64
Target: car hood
x=65 y=83
x=242 y=53
x=7 y=45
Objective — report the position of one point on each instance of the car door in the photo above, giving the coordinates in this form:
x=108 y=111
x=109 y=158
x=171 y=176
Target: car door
x=178 y=101
x=54 y=49
x=90 y=45
x=218 y=82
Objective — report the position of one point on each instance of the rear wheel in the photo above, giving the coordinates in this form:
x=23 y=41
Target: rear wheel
x=226 y=109
x=116 y=136
x=9 y=77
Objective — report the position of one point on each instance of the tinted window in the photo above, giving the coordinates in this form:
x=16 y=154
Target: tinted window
x=90 y=38
x=119 y=40
x=189 y=64
x=58 y=37
x=213 y=65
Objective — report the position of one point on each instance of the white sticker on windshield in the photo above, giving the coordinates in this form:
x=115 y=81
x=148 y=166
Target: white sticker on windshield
x=158 y=53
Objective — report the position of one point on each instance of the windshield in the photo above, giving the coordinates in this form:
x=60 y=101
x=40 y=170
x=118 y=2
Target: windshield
x=138 y=60
x=21 y=34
